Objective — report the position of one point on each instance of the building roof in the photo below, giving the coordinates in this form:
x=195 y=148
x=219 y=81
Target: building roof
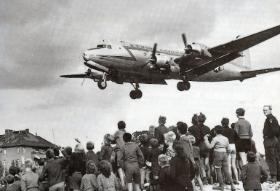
x=24 y=139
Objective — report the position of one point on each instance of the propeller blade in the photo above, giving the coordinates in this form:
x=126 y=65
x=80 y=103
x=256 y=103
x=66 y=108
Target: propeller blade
x=184 y=39
x=154 y=51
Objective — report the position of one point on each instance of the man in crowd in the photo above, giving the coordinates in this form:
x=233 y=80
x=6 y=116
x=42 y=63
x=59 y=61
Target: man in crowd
x=271 y=141
x=244 y=132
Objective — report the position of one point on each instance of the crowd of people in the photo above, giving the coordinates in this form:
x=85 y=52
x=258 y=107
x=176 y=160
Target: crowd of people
x=160 y=159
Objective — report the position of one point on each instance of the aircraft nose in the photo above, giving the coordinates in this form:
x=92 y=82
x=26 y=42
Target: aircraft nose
x=86 y=56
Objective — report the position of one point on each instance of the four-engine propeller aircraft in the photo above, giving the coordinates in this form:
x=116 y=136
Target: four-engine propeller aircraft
x=136 y=64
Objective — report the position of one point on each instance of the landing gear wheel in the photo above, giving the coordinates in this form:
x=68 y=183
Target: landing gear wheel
x=135 y=94
x=182 y=86
x=138 y=93
x=102 y=84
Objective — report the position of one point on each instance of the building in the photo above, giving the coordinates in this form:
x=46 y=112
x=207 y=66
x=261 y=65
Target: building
x=17 y=146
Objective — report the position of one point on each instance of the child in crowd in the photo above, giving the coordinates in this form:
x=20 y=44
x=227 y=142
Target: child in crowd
x=90 y=155
x=221 y=146
x=89 y=181
x=29 y=180
x=155 y=152
x=106 y=149
x=146 y=150
x=106 y=180
x=169 y=139
x=165 y=181
x=253 y=174
x=132 y=159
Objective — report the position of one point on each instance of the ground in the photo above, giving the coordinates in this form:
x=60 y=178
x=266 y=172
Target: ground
x=265 y=187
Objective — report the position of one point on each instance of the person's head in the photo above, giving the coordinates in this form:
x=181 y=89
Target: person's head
x=13 y=170
x=10 y=179
x=108 y=139
x=67 y=151
x=56 y=151
x=201 y=118
x=90 y=145
x=240 y=112
x=162 y=120
x=182 y=128
x=267 y=109
x=28 y=163
x=163 y=160
x=152 y=129
x=251 y=156
x=127 y=137
x=195 y=119
x=225 y=122
x=154 y=142
x=91 y=167
x=105 y=168
x=79 y=148
x=169 y=137
x=143 y=139
x=218 y=129
x=121 y=125
x=49 y=154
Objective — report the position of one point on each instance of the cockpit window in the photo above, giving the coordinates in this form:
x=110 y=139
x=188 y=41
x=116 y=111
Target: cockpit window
x=101 y=46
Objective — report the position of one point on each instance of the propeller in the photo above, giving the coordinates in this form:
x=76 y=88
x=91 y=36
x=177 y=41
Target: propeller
x=188 y=47
x=153 y=60
x=87 y=73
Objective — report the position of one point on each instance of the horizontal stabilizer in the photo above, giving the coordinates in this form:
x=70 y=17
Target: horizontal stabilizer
x=74 y=76
x=253 y=73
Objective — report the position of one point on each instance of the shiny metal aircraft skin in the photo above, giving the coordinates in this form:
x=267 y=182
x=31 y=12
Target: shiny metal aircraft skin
x=135 y=64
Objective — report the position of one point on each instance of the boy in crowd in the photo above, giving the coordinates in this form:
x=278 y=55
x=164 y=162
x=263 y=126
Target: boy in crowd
x=244 y=131
x=253 y=174
x=221 y=146
x=132 y=159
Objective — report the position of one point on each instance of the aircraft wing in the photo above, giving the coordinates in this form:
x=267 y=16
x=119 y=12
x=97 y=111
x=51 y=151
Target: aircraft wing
x=244 y=43
x=227 y=52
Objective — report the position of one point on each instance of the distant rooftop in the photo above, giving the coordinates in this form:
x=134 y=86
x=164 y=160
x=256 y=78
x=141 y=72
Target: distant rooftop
x=23 y=138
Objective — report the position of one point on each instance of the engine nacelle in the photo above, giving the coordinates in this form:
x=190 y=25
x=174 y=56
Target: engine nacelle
x=201 y=49
x=163 y=62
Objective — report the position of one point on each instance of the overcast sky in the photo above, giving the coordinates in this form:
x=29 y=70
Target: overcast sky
x=40 y=40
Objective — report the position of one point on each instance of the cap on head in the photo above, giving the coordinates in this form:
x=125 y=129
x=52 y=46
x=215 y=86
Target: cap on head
x=121 y=125
x=268 y=107
x=90 y=145
x=240 y=112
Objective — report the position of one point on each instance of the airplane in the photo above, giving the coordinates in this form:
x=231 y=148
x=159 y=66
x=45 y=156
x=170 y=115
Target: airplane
x=138 y=64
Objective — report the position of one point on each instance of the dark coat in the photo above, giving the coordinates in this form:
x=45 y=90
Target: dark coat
x=252 y=174
x=159 y=132
x=180 y=171
x=165 y=179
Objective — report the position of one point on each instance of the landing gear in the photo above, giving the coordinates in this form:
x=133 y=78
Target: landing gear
x=137 y=93
x=102 y=84
x=183 y=86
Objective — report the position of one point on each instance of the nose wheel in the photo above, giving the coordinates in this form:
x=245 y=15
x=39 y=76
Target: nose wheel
x=183 y=86
x=136 y=93
x=102 y=84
